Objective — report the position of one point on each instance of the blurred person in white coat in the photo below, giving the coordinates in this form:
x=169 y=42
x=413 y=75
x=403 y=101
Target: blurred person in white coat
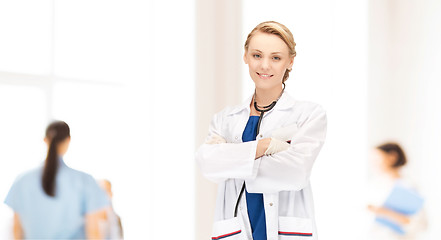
x=261 y=152
x=390 y=160
x=110 y=222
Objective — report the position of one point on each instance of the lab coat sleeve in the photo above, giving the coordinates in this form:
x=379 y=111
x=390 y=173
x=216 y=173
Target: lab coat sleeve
x=291 y=169
x=219 y=162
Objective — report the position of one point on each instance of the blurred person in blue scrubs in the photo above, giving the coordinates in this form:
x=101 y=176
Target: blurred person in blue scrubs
x=55 y=201
x=394 y=200
x=110 y=223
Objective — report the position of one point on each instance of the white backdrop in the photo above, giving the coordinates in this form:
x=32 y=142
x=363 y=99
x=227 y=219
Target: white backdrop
x=404 y=85
x=121 y=74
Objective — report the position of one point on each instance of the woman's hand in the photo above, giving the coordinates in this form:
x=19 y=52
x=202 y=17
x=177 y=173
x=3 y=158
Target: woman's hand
x=390 y=214
x=92 y=224
x=215 y=139
x=276 y=146
x=268 y=146
x=18 y=229
x=262 y=146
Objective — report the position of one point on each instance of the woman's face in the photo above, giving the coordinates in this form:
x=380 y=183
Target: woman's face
x=385 y=161
x=267 y=58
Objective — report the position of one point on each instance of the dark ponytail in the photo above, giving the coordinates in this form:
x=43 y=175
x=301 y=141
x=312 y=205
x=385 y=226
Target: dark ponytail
x=56 y=132
x=393 y=148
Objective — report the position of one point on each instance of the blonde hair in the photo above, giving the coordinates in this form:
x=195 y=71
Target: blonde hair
x=279 y=30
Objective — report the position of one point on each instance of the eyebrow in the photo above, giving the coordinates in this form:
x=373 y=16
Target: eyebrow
x=257 y=50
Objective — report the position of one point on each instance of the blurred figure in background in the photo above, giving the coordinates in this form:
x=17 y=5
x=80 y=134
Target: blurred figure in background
x=394 y=200
x=110 y=223
x=55 y=201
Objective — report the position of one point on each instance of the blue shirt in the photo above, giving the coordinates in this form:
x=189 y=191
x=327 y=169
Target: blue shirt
x=256 y=211
x=59 y=217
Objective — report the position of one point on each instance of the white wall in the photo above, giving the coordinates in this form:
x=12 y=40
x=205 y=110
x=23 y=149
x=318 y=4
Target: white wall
x=372 y=64
x=404 y=85
x=121 y=74
x=218 y=83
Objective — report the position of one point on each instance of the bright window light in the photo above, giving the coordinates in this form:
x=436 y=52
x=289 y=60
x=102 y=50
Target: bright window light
x=121 y=74
x=26 y=36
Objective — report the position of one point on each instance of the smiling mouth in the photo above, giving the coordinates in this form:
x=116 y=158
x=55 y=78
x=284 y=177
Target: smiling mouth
x=265 y=76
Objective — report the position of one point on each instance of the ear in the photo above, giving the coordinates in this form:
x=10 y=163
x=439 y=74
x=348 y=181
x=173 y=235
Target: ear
x=46 y=140
x=245 y=59
x=291 y=62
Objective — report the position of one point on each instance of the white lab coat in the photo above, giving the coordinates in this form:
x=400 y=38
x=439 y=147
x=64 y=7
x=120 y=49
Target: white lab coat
x=283 y=178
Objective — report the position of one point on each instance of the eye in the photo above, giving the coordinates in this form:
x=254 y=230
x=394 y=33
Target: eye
x=276 y=58
x=256 y=55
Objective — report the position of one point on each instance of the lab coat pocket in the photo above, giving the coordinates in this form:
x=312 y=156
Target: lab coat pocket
x=229 y=229
x=291 y=228
x=285 y=133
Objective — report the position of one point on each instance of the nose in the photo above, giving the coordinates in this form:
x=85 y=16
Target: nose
x=265 y=64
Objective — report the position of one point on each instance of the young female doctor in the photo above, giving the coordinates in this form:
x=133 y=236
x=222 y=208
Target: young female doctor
x=55 y=201
x=262 y=151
